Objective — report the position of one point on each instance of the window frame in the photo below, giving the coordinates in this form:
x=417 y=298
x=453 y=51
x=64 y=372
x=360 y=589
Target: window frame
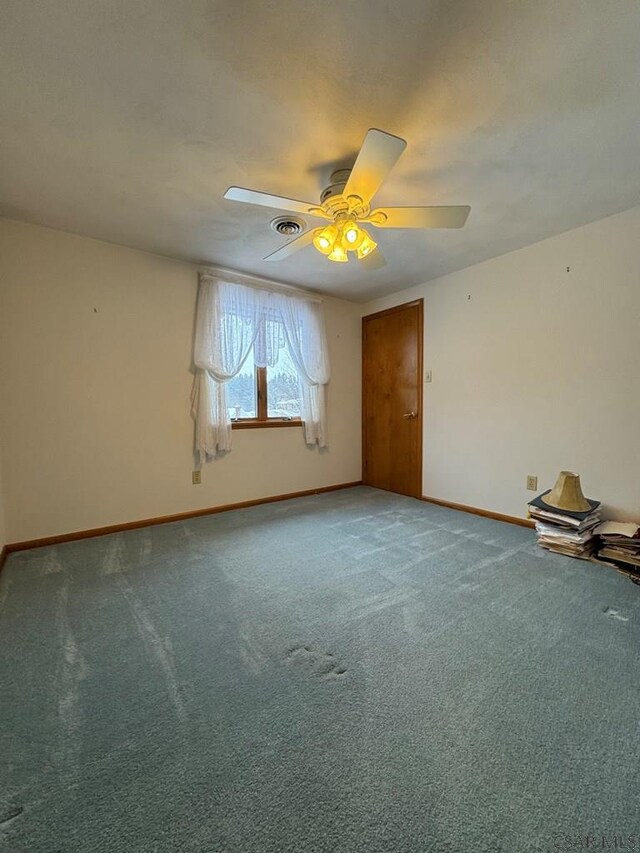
x=263 y=420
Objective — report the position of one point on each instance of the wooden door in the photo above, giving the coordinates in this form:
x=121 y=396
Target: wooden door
x=392 y=399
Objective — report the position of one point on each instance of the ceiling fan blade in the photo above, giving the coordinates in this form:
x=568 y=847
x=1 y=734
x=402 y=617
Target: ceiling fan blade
x=422 y=217
x=291 y=247
x=275 y=201
x=374 y=261
x=379 y=153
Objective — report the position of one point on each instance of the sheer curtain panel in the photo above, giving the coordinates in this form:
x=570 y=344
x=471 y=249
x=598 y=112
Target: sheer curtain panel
x=307 y=343
x=233 y=318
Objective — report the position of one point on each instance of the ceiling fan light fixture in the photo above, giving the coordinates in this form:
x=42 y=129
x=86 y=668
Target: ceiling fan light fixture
x=353 y=236
x=344 y=235
x=338 y=254
x=324 y=239
x=366 y=246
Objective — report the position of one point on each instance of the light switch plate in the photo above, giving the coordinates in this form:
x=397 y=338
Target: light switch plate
x=427 y=376
x=196 y=477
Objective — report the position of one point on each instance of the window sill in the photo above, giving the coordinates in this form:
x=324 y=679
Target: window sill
x=270 y=424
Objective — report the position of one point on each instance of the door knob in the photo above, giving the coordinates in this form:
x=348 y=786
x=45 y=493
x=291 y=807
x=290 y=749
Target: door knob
x=410 y=415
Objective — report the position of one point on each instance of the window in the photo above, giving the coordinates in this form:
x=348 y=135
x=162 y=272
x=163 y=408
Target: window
x=265 y=396
x=238 y=330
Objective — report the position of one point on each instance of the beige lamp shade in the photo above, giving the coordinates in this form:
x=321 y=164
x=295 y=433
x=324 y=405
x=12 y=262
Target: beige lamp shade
x=567 y=494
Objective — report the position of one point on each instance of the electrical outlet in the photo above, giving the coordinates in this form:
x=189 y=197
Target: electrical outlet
x=532 y=483
x=427 y=376
x=196 y=477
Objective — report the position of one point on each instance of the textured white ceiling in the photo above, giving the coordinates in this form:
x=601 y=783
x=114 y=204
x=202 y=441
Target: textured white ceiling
x=127 y=120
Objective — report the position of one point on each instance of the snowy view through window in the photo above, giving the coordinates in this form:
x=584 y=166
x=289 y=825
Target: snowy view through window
x=283 y=390
x=242 y=397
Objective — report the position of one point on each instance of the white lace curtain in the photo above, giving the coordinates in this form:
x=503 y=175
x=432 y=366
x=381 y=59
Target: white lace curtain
x=233 y=318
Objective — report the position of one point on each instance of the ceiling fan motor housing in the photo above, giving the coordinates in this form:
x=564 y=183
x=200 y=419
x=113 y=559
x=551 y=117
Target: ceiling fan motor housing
x=338 y=180
x=336 y=204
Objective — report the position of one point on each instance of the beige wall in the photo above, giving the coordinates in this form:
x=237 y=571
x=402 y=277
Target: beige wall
x=95 y=383
x=3 y=526
x=535 y=369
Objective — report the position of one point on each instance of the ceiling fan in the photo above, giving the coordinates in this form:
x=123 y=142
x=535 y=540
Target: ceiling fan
x=346 y=204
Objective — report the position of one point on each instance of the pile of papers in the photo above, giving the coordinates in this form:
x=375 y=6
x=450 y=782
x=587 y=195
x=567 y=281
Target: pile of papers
x=619 y=542
x=564 y=531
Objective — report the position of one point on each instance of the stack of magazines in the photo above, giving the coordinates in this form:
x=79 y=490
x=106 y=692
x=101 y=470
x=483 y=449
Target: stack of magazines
x=566 y=531
x=619 y=543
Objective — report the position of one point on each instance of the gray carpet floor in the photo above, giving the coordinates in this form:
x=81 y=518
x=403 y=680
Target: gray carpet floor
x=355 y=671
